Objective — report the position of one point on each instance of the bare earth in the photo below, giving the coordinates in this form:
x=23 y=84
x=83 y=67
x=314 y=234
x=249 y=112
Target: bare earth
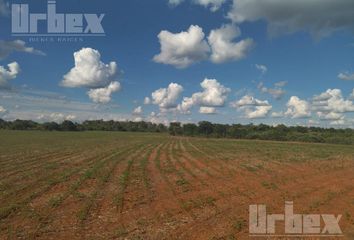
x=152 y=186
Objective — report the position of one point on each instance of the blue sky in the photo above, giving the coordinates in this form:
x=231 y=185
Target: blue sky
x=297 y=80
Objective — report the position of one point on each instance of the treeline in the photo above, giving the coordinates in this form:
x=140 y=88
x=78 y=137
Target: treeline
x=96 y=125
x=264 y=132
x=202 y=129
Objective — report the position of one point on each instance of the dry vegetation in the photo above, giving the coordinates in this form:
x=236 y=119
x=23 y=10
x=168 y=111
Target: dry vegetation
x=96 y=185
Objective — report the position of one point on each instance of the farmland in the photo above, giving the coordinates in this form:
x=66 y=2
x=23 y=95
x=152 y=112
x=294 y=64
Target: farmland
x=110 y=185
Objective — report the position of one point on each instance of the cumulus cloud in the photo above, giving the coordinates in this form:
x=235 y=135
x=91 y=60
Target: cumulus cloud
x=8 y=47
x=8 y=74
x=103 y=95
x=91 y=72
x=207 y=110
x=339 y=122
x=214 y=94
x=277 y=92
x=182 y=49
x=56 y=117
x=157 y=118
x=298 y=108
x=330 y=116
x=248 y=100
x=319 y=17
x=262 y=68
x=214 y=5
x=138 y=110
x=166 y=98
x=346 y=76
x=252 y=107
x=3 y=111
x=147 y=100
x=138 y=119
x=313 y=122
x=332 y=101
x=257 y=112
x=277 y=114
x=222 y=45
x=186 y=105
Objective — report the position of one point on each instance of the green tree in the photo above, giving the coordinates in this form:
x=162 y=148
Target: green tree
x=205 y=128
x=68 y=126
x=175 y=129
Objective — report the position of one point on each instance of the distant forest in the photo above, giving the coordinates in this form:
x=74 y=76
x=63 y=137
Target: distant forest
x=202 y=129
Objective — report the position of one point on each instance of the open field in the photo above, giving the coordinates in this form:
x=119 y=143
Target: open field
x=109 y=185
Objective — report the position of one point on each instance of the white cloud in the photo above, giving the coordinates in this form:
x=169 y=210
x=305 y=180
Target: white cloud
x=277 y=92
x=252 y=107
x=214 y=94
x=277 y=114
x=330 y=116
x=319 y=17
x=352 y=95
x=343 y=122
x=207 y=110
x=247 y=101
x=90 y=71
x=56 y=117
x=262 y=68
x=332 y=101
x=3 y=111
x=213 y=4
x=138 y=119
x=257 y=112
x=34 y=103
x=166 y=98
x=157 y=118
x=182 y=49
x=103 y=95
x=7 y=47
x=138 y=110
x=298 y=108
x=186 y=105
x=147 y=100
x=340 y=122
x=223 y=47
x=313 y=122
x=346 y=76
x=8 y=74
x=281 y=84
x=175 y=2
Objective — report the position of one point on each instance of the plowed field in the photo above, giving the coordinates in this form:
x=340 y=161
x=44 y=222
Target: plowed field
x=104 y=185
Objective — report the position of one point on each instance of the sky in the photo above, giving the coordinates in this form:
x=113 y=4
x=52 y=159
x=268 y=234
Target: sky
x=224 y=61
